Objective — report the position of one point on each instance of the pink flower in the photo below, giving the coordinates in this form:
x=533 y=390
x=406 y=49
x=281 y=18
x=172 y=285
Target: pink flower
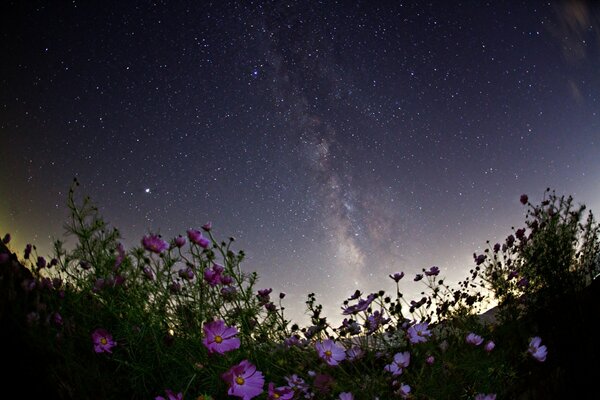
x=418 y=333
x=170 y=396
x=523 y=199
x=397 y=276
x=404 y=391
x=346 y=396
x=538 y=352
x=154 y=244
x=207 y=226
x=433 y=271
x=482 y=396
x=280 y=393
x=362 y=305
x=354 y=353
x=214 y=276
x=195 y=236
x=474 y=339
x=329 y=351
x=430 y=360
x=401 y=360
x=489 y=346
x=219 y=338
x=103 y=341
x=244 y=380
x=179 y=241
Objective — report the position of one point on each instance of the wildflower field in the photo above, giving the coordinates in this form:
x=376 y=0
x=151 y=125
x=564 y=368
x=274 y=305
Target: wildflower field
x=179 y=318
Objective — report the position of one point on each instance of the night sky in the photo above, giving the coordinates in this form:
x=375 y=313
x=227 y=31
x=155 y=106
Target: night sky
x=338 y=142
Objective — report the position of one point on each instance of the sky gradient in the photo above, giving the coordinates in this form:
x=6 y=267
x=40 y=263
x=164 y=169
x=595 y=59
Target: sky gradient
x=338 y=142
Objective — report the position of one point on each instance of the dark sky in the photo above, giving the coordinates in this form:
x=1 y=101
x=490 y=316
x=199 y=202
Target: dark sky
x=337 y=141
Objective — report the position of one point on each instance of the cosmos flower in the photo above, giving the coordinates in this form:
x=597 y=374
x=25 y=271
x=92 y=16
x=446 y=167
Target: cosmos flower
x=280 y=393
x=213 y=275
x=244 y=380
x=397 y=276
x=120 y=256
x=170 y=396
x=346 y=396
x=362 y=305
x=418 y=277
x=538 y=352
x=195 y=236
x=103 y=341
x=219 y=338
x=489 y=346
x=154 y=244
x=354 y=353
x=482 y=396
x=418 y=333
x=433 y=271
x=404 y=391
x=329 y=351
x=179 y=241
x=401 y=360
x=474 y=339
x=296 y=383
x=430 y=360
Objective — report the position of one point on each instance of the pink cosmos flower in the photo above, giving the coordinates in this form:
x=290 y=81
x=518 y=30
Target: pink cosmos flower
x=280 y=393
x=214 y=275
x=179 y=241
x=219 y=338
x=244 y=380
x=170 y=396
x=401 y=360
x=418 y=333
x=362 y=305
x=474 y=339
x=103 y=341
x=538 y=352
x=397 y=276
x=354 y=353
x=430 y=360
x=154 y=244
x=489 y=346
x=433 y=271
x=195 y=236
x=329 y=351
x=482 y=396
x=346 y=396
x=404 y=391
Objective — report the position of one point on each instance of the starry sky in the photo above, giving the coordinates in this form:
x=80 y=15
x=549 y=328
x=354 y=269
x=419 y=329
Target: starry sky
x=337 y=141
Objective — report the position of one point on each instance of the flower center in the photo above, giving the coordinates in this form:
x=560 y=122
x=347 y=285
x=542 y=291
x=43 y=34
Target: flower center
x=239 y=380
x=419 y=333
x=328 y=353
x=104 y=341
x=275 y=396
x=218 y=339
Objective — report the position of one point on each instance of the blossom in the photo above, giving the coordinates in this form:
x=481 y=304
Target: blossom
x=207 y=226
x=538 y=352
x=103 y=341
x=401 y=360
x=489 y=346
x=346 y=396
x=154 y=244
x=244 y=380
x=418 y=333
x=354 y=353
x=474 y=339
x=214 y=276
x=297 y=383
x=280 y=393
x=179 y=241
x=418 y=277
x=397 y=276
x=149 y=273
x=219 y=338
x=404 y=391
x=362 y=305
x=170 y=396
x=430 y=360
x=195 y=236
x=433 y=271
x=482 y=396
x=329 y=351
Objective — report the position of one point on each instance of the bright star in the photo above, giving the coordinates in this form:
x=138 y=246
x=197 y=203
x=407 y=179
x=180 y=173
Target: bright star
x=147 y=190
